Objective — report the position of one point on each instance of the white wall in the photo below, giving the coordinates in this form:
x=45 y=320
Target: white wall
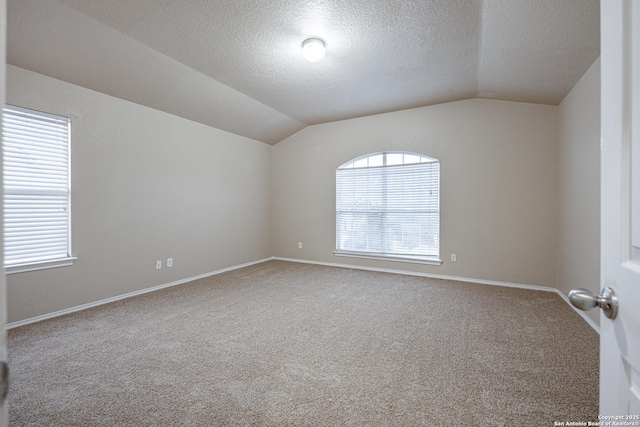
x=146 y=185
x=498 y=186
x=579 y=187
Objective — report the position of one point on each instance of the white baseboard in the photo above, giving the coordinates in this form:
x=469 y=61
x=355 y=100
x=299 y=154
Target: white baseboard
x=415 y=273
x=582 y=314
x=459 y=279
x=127 y=295
x=330 y=264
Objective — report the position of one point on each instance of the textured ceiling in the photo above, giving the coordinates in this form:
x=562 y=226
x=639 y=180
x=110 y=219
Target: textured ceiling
x=237 y=64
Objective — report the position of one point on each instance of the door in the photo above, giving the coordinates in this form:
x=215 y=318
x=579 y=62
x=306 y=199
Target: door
x=620 y=211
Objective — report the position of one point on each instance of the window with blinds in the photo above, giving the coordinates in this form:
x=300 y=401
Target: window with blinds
x=35 y=149
x=388 y=205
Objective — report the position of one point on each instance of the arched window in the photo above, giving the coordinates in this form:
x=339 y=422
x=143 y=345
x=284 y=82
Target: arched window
x=388 y=206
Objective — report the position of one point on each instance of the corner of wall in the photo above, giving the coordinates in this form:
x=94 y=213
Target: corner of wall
x=578 y=174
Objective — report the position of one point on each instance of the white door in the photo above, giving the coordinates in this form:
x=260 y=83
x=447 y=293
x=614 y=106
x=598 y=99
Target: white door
x=620 y=215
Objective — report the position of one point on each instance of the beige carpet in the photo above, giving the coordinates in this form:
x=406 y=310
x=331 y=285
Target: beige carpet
x=284 y=343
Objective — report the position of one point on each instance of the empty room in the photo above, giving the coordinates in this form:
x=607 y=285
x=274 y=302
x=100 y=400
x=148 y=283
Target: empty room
x=330 y=213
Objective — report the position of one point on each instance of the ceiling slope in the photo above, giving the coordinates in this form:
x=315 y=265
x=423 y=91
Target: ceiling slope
x=536 y=51
x=236 y=65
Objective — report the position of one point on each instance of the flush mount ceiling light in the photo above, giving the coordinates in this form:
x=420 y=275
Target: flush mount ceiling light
x=313 y=49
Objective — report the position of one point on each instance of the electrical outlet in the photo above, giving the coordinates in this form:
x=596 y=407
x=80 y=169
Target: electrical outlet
x=454 y=257
x=169 y=262
x=158 y=264
x=299 y=245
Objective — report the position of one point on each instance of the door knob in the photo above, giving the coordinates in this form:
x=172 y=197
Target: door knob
x=585 y=300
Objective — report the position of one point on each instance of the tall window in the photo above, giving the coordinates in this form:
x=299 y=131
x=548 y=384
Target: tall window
x=35 y=148
x=388 y=205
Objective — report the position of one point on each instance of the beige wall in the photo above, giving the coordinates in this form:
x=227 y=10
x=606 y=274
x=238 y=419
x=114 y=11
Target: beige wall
x=579 y=187
x=517 y=192
x=146 y=185
x=498 y=186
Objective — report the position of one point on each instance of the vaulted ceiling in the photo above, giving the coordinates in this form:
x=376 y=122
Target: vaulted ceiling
x=237 y=64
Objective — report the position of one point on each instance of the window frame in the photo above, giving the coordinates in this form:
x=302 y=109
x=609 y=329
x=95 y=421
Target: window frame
x=359 y=163
x=20 y=266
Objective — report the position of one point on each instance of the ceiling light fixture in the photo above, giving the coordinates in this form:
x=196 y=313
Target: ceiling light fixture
x=313 y=49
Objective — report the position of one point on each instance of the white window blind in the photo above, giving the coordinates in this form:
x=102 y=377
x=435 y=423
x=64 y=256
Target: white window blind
x=36 y=187
x=388 y=204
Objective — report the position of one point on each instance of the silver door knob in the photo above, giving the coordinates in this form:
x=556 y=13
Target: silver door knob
x=585 y=300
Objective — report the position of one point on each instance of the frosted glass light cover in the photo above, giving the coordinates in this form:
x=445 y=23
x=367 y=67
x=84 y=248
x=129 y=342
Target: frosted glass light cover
x=313 y=49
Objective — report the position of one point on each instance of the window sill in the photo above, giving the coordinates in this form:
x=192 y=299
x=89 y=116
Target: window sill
x=409 y=259
x=23 y=268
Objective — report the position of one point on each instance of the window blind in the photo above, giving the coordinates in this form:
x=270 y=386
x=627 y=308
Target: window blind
x=389 y=210
x=36 y=186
